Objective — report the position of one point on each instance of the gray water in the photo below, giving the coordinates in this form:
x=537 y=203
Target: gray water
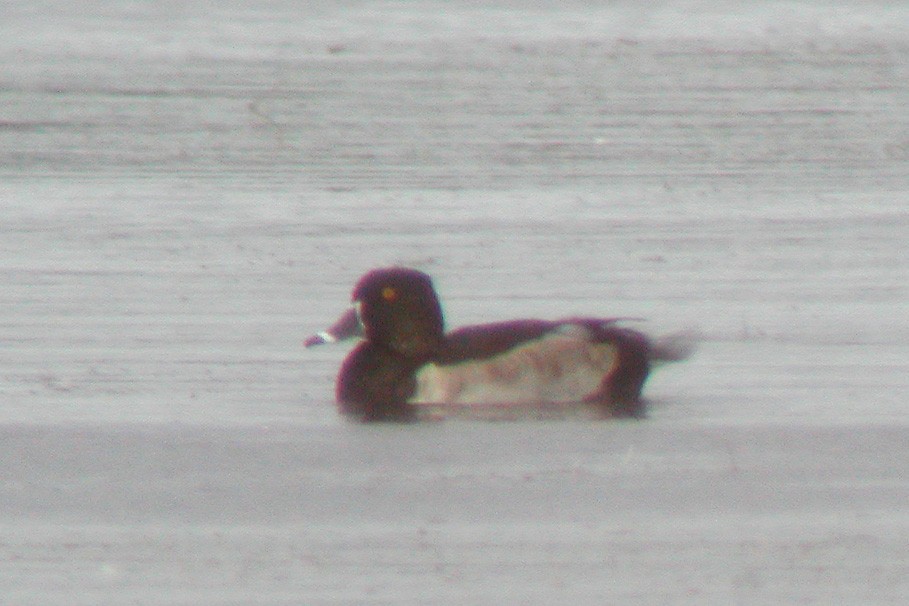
x=188 y=192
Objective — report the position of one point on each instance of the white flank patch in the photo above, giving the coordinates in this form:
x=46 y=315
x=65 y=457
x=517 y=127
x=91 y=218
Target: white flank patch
x=558 y=368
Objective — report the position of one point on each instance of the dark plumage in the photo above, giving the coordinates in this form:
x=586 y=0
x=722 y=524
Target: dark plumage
x=406 y=364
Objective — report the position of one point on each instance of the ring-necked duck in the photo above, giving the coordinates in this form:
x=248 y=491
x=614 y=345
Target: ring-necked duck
x=407 y=365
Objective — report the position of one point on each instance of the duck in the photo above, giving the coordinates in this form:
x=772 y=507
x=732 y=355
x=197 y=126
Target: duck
x=406 y=367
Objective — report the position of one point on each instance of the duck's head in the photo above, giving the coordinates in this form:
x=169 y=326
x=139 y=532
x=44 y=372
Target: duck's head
x=394 y=308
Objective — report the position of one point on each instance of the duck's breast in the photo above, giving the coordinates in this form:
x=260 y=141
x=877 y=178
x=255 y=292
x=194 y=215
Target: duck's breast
x=556 y=368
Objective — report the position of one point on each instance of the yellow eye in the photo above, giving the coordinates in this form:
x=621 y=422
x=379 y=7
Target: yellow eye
x=389 y=294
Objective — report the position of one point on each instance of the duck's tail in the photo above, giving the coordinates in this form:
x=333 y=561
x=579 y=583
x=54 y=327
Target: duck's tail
x=673 y=347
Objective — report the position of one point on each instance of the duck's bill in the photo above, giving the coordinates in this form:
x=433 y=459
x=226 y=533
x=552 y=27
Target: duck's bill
x=347 y=326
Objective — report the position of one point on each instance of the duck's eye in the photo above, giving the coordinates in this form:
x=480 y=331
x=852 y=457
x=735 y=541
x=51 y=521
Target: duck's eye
x=389 y=294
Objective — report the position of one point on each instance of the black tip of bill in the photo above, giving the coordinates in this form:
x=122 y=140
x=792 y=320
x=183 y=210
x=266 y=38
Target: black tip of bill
x=318 y=339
